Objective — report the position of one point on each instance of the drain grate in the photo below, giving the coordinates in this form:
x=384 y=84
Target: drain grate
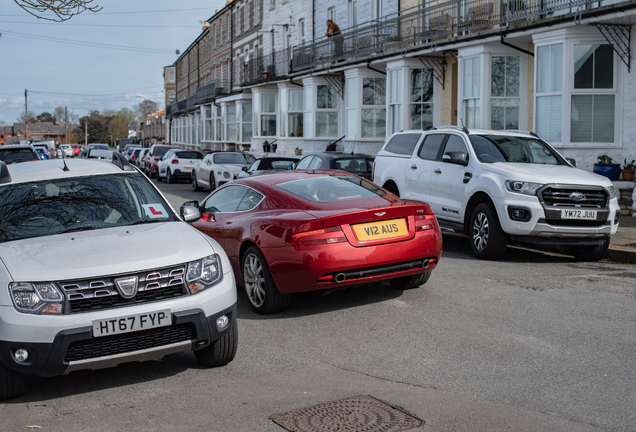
x=354 y=414
x=631 y=245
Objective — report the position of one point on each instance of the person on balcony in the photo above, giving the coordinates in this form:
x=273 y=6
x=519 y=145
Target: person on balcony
x=333 y=31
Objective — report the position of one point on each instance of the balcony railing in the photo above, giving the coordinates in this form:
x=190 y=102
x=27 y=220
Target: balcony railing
x=265 y=68
x=425 y=25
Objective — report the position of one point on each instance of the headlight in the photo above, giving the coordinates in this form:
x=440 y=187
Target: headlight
x=204 y=273
x=36 y=298
x=525 y=188
x=611 y=190
x=226 y=174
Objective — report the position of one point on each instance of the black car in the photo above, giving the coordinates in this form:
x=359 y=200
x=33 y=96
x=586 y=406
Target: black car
x=358 y=164
x=267 y=164
x=18 y=153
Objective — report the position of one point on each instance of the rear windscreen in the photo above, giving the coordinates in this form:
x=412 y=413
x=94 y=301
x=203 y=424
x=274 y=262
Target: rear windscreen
x=328 y=189
x=189 y=155
x=354 y=165
x=17 y=155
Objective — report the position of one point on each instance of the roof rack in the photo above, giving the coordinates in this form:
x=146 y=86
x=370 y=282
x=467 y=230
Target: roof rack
x=522 y=131
x=461 y=128
x=111 y=155
x=5 y=177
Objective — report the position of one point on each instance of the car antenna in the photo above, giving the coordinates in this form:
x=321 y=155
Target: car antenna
x=64 y=160
x=464 y=128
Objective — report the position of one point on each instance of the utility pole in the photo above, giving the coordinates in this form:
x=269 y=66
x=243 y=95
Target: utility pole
x=86 y=131
x=26 y=116
x=66 y=123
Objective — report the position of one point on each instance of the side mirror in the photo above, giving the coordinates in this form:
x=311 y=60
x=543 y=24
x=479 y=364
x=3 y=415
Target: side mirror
x=572 y=161
x=190 y=213
x=458 y=158
x=244 y=169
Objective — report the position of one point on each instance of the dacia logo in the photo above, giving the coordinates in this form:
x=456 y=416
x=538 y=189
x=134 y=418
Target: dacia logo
x=127 y=286
x=577 y=196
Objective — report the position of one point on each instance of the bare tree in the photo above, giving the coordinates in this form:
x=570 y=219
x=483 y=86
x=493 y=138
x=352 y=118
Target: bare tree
x=144 y=108
x=62 y=10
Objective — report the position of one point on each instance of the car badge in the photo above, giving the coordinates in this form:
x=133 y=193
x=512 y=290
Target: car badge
x=380 y=214
x=577 y=196
x=127 y=287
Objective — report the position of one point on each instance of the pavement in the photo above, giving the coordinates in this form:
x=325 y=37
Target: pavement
x=623 y=243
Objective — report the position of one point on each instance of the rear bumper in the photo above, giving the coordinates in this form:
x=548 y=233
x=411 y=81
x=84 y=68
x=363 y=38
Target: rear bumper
x=77 y=349
x=297 y=268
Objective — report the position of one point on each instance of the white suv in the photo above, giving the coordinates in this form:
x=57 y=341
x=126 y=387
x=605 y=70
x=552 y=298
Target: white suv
x=498 y=186
x=177 y=164
x=83 y=284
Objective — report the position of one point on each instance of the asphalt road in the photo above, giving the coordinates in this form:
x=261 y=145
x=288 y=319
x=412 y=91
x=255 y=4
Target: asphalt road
x=535 y=342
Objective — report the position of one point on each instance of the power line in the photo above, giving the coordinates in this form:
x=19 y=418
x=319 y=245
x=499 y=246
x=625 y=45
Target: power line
x=98 y=25
x=133 y=12
x=89 y=44
x=94 y=94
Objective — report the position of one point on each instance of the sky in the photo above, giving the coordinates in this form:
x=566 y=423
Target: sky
x=114 y=59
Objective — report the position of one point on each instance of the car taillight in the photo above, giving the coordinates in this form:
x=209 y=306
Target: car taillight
x=174 y=161
x=316 y=237
x=132 y=158
x=424 y=222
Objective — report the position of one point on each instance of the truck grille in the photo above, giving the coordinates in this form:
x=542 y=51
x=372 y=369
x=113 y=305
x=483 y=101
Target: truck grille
x=560 y=196
x=129 y=342
x=102 y=293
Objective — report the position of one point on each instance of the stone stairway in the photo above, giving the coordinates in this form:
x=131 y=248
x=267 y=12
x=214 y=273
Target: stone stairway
x=626 y=197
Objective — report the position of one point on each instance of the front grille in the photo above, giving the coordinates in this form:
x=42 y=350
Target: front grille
x=102 y=293
x=128 y=342
x=560 y=196
x=575 y=223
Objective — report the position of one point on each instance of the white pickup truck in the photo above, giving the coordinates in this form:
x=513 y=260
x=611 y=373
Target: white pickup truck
x=497 y=186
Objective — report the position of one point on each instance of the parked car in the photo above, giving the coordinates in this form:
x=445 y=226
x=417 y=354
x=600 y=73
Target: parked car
x=76 y=149
x=50 y=147
x=218 y=168
x=42 y=151
x=156 y=152
x=358 y=164
x=177 y=165
x=64 y=309
x=67 y=150
x=123 y=142
x=141 y=160
x=131 y=150
x=314 y=230
x=497 y=186
x=134 y=155
x=93 y=146
x=18 y=153
x=267 y=164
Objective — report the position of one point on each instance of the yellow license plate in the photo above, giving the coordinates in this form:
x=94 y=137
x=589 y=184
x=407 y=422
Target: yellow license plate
x=381 y=230
x=187 y=169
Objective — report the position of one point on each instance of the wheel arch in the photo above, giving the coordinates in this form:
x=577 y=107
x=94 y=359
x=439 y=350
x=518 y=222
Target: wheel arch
x=476 y=199
x=391 y=186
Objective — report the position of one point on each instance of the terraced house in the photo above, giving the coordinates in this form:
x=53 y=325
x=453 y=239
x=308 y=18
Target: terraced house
x=561 y=69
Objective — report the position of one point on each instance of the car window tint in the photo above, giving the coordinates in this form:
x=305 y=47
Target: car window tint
x=430 y=147
x=315 y=163
x=455 y=144
x=232 y=158
x=160 y=151
x=403 y=143
x=249 y=158
x=541 y=153
x=354 y=165
x=225 y=200
x=335 y=188
x=304 y=163
x=280 y=164
x=486 y=150
x=189 y=155
x=250 y=200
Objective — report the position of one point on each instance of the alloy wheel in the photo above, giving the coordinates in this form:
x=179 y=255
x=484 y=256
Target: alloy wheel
x=254 y=278
x=480 y=231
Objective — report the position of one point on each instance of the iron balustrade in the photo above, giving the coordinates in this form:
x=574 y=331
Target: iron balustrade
x=265 y=68
x=425 y=25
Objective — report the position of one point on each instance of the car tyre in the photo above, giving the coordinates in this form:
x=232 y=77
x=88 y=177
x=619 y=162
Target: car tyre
x=590 y=253
x=212 y=182
x=169 y=177
x=195 y=185
x=487 y=239
x=410 y=282
x=259 y=285
x=154 y=173
x=221 y=351
x=11 y=383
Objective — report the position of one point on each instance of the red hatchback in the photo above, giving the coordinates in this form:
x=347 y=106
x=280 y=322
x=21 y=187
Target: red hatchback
x=315 y=230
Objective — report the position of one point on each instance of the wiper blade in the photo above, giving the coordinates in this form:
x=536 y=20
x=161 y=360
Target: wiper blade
x=80 y=228
x=144 y=222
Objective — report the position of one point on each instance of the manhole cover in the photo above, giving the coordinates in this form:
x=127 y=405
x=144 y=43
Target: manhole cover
x=354 y=414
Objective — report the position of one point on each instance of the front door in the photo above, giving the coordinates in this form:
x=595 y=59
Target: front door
x=217 y=211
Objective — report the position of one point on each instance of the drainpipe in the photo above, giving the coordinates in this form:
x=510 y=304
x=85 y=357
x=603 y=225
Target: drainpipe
x=231 y=47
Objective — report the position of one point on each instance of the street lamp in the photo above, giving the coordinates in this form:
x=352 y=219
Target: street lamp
x=111 y=140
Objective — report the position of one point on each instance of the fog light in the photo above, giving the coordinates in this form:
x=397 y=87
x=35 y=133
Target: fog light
x=21 y=355
x=519 y=214
x=222 y=322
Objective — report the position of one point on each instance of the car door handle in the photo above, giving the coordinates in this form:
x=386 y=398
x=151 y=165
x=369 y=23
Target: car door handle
x=467 y=177
x=413 y=167
x=438 y=171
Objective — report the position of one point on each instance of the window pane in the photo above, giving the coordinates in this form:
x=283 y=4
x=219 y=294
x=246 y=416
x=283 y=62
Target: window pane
x=295 y=100
x=368 y=91
x=352 y=124
x=498 y=76
x=604 y=67
x=396 y=86
x=374 y=123
x=603 y=125
x=268 y=125
x=473 y=119
x=512 y=113
x=296 y=125
x=326 y=124
x=231 y=113
x=380 y=91
x=468 y=78
x=455 y=144
x=497 y=114
x=431 y=146
x=326 y=98
x=476 y=77
x=512 y=76
x=352 y=92
x=208 y=130
x=421 y=116
x=231 y=132
x=421 y=85
x=581 y=120
x=548 y=121
x=268 y=102
x=584 y=66
x=396 y=117
x=246 y=132
x=247 y=112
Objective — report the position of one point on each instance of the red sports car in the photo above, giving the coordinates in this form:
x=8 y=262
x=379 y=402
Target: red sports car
x=314 y=230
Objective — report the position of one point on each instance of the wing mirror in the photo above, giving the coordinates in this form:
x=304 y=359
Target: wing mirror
x=190 y=212
x=458 y=158
x=572 y=161
x=244 y=169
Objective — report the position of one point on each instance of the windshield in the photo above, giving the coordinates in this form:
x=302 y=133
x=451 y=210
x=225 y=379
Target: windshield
x=77 y=204
x=497 y=148
x=233 y=158
x=327 y=189
x=20 y=154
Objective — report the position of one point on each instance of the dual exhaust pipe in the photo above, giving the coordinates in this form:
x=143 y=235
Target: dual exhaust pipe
x=341 y=277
